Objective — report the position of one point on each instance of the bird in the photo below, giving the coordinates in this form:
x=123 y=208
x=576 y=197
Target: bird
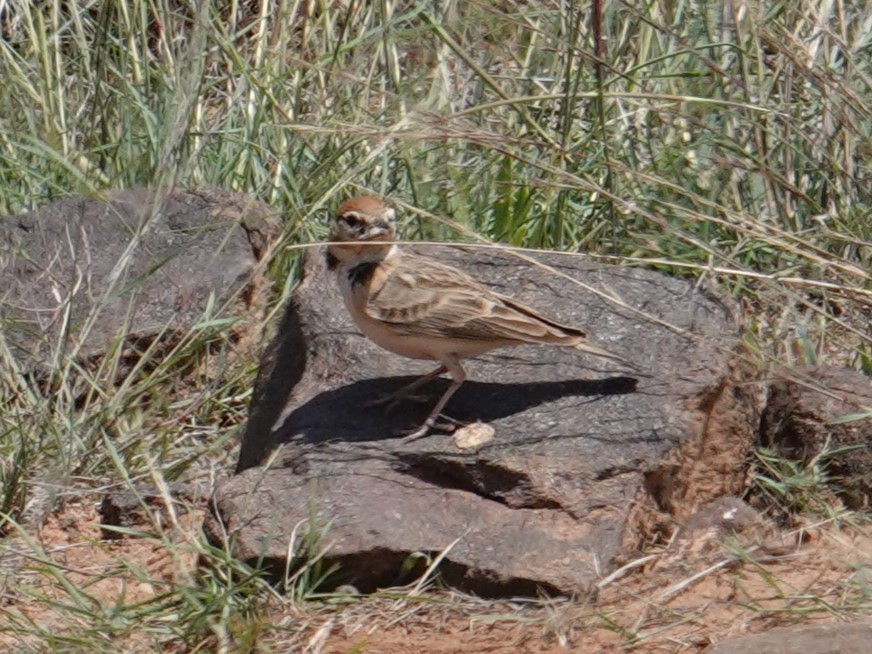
x=420 y=308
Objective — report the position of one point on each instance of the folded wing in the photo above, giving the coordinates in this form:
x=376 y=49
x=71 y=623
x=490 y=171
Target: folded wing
x=425 y=298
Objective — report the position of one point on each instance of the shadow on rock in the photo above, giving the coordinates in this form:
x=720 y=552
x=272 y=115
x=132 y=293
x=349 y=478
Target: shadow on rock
x=343 y=414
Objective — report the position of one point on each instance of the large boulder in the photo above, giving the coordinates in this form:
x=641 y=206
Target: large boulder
x=83 y=275
x=824 y=412
x=579 y=441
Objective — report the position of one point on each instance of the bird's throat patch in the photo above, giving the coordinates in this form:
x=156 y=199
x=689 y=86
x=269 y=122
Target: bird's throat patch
x=362 y=272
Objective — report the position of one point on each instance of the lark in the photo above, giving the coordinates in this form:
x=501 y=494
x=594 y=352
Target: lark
x=420 y=308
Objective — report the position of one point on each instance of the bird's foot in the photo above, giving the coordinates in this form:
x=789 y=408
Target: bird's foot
x=416 y=434
x=424 y=430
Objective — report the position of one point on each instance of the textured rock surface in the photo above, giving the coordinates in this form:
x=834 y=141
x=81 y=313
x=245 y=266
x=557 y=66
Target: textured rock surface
x=850 y=638
x=83 y=272
x=543 y=505
x=798 y=422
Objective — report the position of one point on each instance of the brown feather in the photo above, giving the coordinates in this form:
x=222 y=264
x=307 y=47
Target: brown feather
x=421 y=296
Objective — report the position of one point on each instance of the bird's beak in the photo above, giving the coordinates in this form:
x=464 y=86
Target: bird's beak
x=377 y=229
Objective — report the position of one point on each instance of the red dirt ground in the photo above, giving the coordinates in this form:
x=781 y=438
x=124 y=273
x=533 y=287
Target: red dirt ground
x=659 y=607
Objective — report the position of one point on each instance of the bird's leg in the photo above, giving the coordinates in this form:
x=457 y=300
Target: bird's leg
x=458 y=376
x=392 y=398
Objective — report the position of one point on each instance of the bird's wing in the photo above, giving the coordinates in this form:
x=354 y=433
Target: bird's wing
x=426 y=298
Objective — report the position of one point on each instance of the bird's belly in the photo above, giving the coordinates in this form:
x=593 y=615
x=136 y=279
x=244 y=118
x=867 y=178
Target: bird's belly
x=421 y=347
x=413 y=346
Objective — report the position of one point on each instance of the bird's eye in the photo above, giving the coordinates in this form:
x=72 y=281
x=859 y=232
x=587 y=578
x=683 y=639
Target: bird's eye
x=351 y=220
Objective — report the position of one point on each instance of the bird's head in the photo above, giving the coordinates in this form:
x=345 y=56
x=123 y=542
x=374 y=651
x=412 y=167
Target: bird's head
x=363 y=229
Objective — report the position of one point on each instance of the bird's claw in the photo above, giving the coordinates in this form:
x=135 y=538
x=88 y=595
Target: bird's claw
x=416 y=434
x=424 y=430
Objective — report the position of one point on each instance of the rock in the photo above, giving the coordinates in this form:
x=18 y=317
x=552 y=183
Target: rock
x=141 y=263
x=129 y=508
x=713 y=534
x=473 y=435
x=798 y=422
x=544 y=506
x=838 y=638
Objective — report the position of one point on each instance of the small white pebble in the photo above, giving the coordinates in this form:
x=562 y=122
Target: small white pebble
x=473 y=435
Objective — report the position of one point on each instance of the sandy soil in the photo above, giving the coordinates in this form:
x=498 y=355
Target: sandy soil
x=673 y=601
